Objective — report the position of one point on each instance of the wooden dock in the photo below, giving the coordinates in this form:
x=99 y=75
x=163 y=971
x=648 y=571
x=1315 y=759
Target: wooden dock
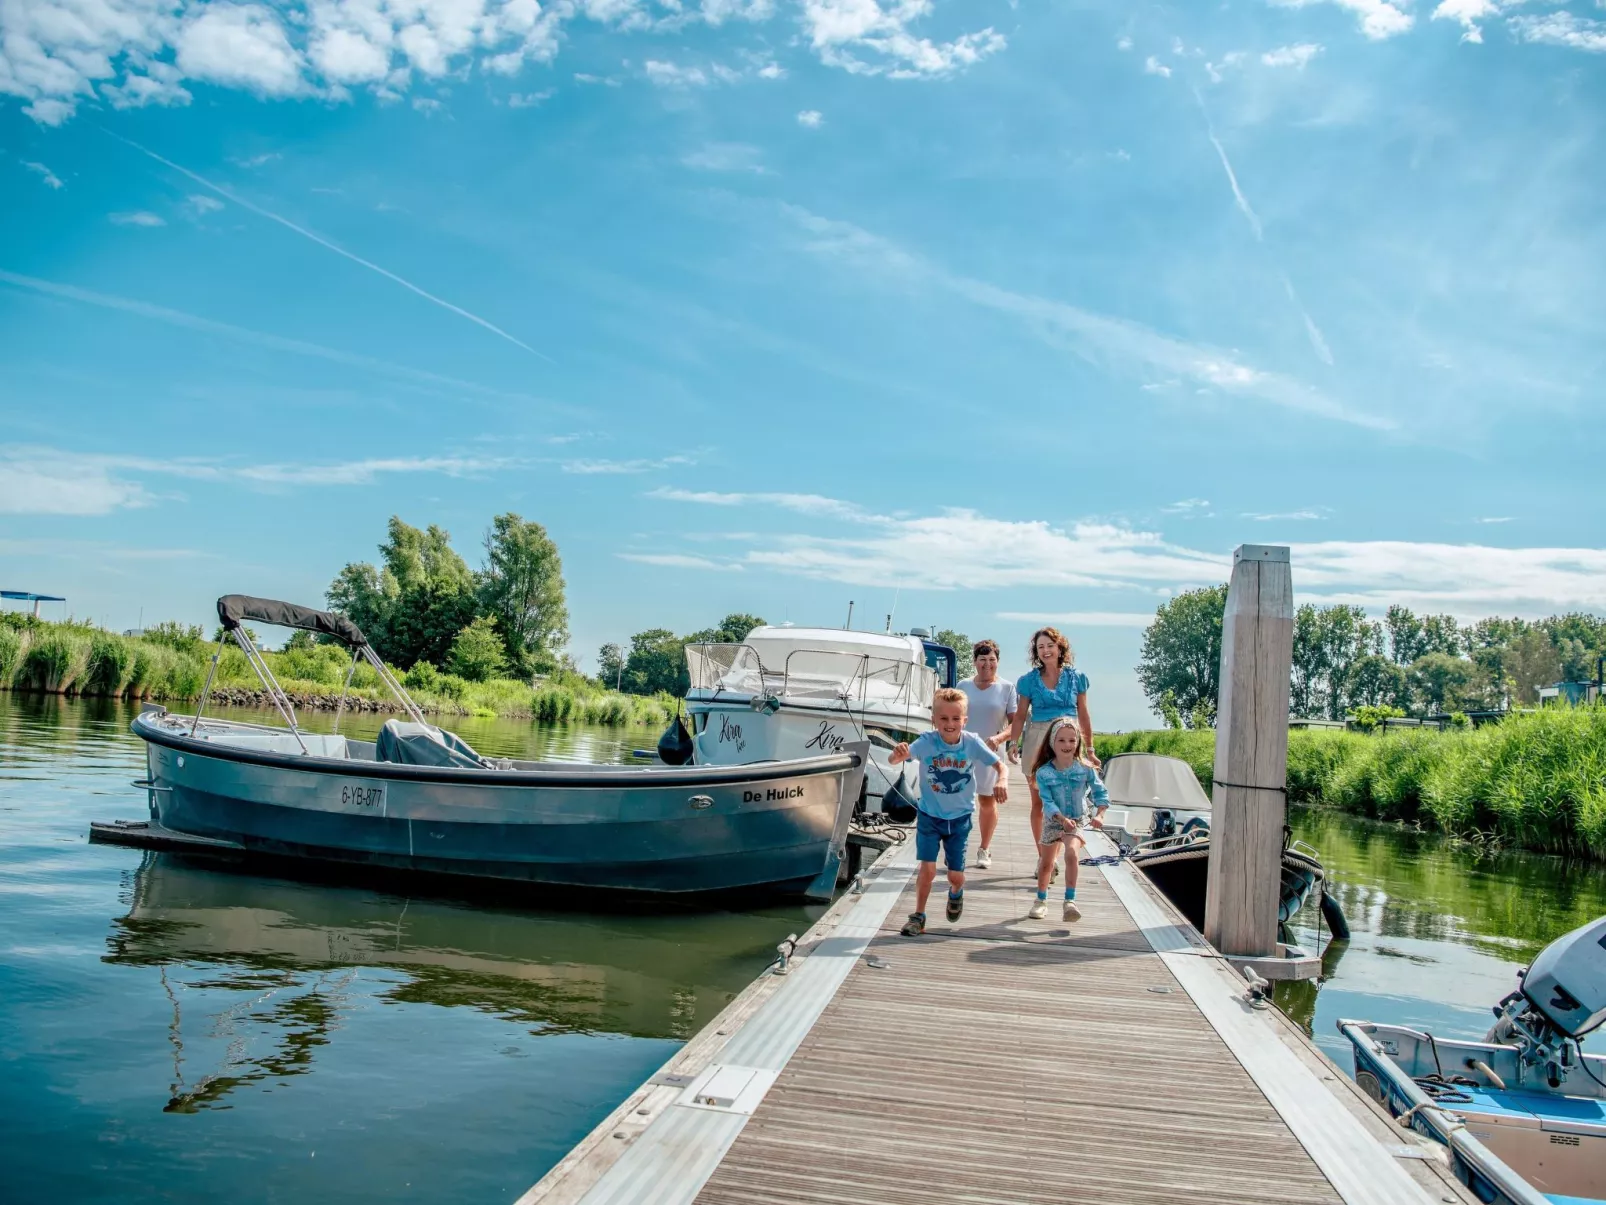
x=1114 y=1060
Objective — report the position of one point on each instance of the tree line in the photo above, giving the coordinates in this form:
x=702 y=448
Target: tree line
x=1344 y=661
x=423 y=604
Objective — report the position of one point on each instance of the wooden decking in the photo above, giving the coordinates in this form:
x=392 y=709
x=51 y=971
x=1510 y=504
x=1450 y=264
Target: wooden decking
x=1008 y=1060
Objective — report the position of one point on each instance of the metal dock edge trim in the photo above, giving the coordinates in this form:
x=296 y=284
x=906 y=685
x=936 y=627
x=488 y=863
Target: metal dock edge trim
x=668 y=1159
x=1360 y=1168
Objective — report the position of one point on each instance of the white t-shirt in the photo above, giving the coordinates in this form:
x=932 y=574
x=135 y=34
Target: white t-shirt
x=989 y=711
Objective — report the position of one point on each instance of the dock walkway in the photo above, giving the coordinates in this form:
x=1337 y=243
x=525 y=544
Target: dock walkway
x=1113 y=1060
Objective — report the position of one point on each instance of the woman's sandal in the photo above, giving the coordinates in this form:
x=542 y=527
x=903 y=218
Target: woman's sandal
x=915 y=925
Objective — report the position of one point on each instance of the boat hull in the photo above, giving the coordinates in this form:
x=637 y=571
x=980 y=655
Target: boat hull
x=1182 y=873
x=728 y=732
x=650 y=830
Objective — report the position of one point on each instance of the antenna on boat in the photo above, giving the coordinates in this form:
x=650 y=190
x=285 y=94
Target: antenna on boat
x=849 y=625
x=894 y=610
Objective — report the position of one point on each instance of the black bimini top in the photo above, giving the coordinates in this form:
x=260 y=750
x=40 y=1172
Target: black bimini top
x=234 y=609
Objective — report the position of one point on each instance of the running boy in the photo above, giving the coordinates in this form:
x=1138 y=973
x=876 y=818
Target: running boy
x=949 y=759
x=1064 y=779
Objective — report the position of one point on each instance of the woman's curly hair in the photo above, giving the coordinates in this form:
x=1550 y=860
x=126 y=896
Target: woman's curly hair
x=1067 y=654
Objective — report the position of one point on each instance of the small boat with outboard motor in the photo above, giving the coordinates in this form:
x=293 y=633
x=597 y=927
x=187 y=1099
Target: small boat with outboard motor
x=420 y=799
x=1160 y=815
x=1522 y=1112
x=788 y=692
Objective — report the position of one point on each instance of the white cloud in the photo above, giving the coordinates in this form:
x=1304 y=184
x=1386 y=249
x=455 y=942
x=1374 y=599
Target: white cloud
x=843 y=32
x=1379 y=19
x=957 y=549
x=1291 y=56
x=202 y=204
x=772 y=71
x=679 y=561
x=46 y=176
x=1113 y=342
x=1561 y=29
x=805 y=504
x=1187 y=506
x=604 y=466
x=39 y=480
x=810 y=119
x=672 y=75
x=1496 y=519
x=1237 y=193
x=427 y=104
x=717 y=12
x=140 y=217
x=605 y=81
x=726 y=157
x=1468 y=13
x=241 y=46
x=528 y=100
x=1287 y=516
x=255 y=161
x=1082 y=619
x=1123 y=43
x=1153 y=66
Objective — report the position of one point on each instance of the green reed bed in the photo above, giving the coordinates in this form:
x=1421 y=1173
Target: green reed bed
x=1537 y=780
x=171 y=667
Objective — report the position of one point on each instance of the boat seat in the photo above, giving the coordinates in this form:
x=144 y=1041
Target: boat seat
x=408 y=744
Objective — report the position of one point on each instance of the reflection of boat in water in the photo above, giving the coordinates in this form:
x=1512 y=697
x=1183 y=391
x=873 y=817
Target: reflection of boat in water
x=1157 y=803
x=420 y=799
x=788 y=692
x=1523 y=1112
x=662 y=975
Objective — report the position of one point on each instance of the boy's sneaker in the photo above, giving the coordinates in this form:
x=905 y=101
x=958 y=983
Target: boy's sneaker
x=1039 y=910
x=1072 y=912
x=984 y=858
x=956 y=905
x=915 y=925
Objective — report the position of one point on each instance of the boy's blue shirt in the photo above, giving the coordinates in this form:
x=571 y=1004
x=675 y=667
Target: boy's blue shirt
x=1066 y=791
x=1049 y=704
x=948 y=772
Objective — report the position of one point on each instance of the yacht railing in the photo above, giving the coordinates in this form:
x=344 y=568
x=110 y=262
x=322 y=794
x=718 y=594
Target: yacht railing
x=811 y=674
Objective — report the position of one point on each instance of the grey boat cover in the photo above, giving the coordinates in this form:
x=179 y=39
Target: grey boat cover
x=1147 y=780
x=233 y=609
x=424 y=745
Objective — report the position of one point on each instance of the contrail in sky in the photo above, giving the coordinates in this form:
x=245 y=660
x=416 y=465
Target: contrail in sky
x=1237 y=193
x=335 y=247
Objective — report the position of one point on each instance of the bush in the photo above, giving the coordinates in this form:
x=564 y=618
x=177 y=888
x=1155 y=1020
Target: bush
x=13 y=643
x=110 y=665
x=552 y=705
x=422 y=676
x=179 y=637
x=54 y=661
x=450 y=686
x=477 y=654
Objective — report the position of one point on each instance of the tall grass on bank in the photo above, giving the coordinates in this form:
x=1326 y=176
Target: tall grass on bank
x=78 y=659
x=1537 y=780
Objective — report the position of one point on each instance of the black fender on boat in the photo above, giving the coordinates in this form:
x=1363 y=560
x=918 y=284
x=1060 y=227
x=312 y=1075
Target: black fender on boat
x=1333 y=914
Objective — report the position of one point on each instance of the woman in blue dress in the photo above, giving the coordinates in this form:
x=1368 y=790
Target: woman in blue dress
x=1052 y=689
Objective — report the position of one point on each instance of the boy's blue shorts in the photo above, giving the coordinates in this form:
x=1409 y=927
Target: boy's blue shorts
x=933 y=831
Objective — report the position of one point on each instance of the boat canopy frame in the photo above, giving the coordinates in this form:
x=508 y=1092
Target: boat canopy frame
x=234 y=609
x=709 y=666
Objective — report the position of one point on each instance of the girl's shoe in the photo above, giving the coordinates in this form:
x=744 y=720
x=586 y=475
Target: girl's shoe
x=984 y=858
x=915 y=925
x=1038 y=910
x=956 y=905
x=1072 y=912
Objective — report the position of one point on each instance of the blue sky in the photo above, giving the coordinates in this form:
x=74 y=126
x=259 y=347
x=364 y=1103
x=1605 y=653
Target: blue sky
x=990 y=312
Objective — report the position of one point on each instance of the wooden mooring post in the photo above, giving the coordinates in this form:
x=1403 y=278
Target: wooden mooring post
x=1251 y=772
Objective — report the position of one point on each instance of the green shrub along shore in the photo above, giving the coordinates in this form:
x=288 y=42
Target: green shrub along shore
x=1536 y=780
x=169 y=665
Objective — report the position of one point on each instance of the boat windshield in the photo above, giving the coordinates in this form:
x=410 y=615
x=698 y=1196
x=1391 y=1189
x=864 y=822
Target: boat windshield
x=1148 y=780
x=811 y=673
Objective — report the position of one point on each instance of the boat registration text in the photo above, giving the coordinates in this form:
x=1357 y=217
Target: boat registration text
x=366 y=796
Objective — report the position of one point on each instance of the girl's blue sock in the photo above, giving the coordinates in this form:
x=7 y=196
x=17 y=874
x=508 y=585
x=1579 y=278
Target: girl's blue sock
x=1042 y=895
x=1070 y=893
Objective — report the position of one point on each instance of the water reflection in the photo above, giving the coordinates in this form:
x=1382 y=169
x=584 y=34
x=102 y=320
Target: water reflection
x=278 y=944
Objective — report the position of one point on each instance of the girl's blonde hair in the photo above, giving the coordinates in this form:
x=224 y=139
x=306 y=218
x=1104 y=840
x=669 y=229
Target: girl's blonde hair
x=1045 y=751
x=1067 y=653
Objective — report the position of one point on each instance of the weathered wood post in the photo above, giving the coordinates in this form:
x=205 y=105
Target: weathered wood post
x=1249 y=797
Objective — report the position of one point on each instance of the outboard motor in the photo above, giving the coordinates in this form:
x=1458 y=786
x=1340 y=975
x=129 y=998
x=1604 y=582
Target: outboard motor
x=1562 y=998
x=675 y=746
x=1165 y=824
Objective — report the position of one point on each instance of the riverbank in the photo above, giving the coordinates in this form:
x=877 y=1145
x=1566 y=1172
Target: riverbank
x=78 y=660
x=1537 y=780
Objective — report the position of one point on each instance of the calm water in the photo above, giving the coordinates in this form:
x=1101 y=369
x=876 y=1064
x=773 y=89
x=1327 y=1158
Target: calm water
x=174 y=1031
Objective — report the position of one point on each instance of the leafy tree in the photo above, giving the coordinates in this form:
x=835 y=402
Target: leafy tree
x=1529 y=662
x=1441 y=634
x=413 y=607
x=1170 y=714
x=1328 y=641
x=521 y=587
x=960 y=643
x=733 y=629
x=1374 y=681
x=1407 y=640
x=657 y=661
x=1181 y=661
x=1439 y=681
x=610 y=665
x=300 y=641
x=185 y=638
x=1492 y=633
x=1368 y=718
x=477 y=653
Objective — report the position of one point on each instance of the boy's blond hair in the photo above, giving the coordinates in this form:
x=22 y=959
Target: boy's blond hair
x=951 y=694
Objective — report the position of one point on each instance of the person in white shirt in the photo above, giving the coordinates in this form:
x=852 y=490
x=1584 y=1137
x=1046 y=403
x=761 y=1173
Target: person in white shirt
x=992 y=708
